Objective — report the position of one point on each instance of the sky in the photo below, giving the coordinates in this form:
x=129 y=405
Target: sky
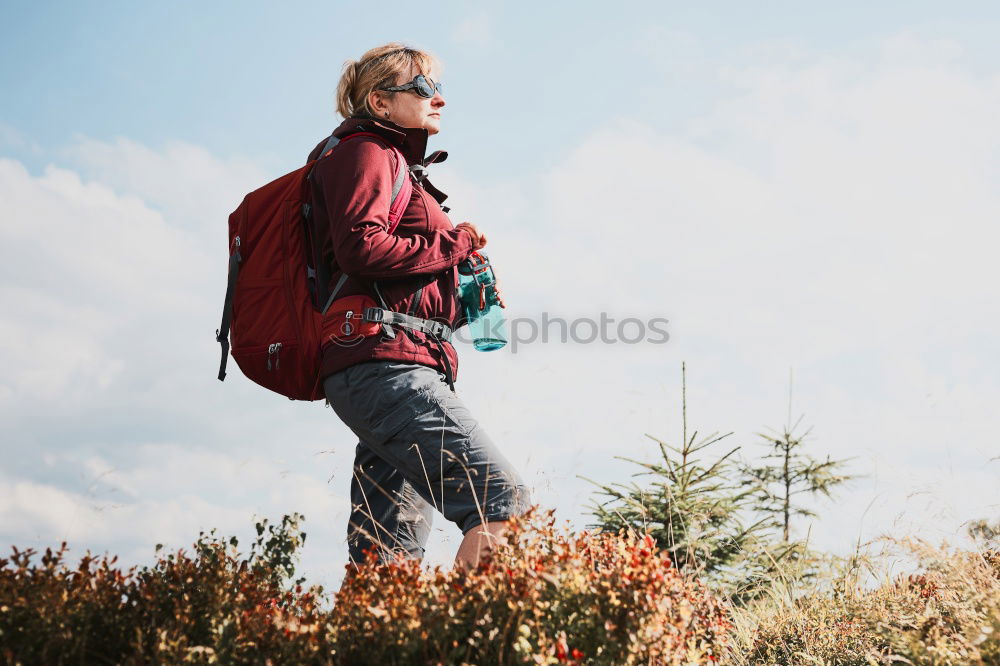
x=806 y=192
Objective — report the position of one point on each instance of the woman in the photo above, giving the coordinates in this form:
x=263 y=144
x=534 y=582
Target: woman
x=419 y=447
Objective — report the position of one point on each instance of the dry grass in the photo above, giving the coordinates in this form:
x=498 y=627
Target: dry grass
x=948 y=613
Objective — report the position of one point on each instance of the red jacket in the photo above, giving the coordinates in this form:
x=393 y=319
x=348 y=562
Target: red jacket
x=351 y=192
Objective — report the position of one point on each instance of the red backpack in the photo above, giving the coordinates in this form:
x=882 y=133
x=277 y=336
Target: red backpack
x=274 y=302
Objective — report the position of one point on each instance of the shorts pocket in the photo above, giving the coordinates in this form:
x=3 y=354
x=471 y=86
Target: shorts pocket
x=387 y=426
x=439 y=396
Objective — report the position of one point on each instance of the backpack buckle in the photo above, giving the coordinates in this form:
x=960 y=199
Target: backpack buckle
x=373 y=314
x=440 y=331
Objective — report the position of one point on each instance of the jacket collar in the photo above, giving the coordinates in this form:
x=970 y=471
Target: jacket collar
x=411 y=141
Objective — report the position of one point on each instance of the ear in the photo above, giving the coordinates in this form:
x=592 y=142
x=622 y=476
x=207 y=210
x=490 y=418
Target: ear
x=377 y=102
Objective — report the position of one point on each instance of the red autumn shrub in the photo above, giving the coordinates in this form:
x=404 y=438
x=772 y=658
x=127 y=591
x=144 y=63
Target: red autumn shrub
x=210 y=606
x=546 y=597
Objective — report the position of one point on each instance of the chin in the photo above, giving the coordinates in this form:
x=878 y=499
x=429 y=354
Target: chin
x=433 y=126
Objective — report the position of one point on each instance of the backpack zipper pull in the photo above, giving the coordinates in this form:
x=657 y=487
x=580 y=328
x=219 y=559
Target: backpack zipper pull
x=277 y=355
x=270 y=352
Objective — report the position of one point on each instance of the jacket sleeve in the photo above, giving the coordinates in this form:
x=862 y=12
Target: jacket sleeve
x=356 y=185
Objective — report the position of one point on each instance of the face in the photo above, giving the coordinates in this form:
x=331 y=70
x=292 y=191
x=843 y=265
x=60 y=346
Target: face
x=408 y=109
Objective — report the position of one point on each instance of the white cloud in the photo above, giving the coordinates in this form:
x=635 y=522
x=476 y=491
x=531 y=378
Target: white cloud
x=191 y=187
x=168 y=494
x=80 y=264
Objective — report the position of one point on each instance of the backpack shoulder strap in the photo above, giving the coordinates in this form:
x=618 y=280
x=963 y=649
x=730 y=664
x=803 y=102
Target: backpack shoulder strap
x=402 y=190
x=328 y=147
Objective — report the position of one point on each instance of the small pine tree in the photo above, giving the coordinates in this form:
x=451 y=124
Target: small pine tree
x=786 y=472
x=695 y=509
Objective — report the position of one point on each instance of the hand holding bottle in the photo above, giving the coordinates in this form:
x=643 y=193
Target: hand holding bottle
x=481 y=302
x=478 y=239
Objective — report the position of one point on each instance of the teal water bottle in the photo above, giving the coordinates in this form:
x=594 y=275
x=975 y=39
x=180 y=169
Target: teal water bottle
x=480 y=304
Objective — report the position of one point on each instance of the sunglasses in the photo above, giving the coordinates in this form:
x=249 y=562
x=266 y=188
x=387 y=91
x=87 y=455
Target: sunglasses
x=422 y=85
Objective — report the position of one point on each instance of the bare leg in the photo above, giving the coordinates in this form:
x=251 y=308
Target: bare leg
x=479 y=541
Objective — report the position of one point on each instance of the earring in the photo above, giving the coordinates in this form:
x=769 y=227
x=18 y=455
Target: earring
x=387 y=115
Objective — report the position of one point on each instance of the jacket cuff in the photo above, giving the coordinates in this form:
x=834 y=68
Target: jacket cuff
x=465 y=244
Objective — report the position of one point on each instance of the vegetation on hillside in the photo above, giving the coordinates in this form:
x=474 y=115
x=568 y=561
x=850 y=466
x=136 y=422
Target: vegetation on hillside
x=699 y=565
x=548 y=596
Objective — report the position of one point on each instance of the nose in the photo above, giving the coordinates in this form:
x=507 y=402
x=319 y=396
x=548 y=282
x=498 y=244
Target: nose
x=438 y=100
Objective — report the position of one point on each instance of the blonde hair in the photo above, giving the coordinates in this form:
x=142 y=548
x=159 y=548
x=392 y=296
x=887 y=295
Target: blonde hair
x=377 y=68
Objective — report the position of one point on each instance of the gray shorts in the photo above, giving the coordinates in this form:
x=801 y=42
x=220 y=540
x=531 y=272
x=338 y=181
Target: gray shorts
x=420 y=449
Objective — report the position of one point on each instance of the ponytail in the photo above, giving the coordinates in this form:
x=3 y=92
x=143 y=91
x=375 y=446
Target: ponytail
x=348 y=82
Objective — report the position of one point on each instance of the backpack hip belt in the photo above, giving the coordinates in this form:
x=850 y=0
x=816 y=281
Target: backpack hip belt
x=433 y=328
x=438 y=332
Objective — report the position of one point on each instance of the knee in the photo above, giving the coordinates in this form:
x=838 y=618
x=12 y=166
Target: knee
x=514 y=500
